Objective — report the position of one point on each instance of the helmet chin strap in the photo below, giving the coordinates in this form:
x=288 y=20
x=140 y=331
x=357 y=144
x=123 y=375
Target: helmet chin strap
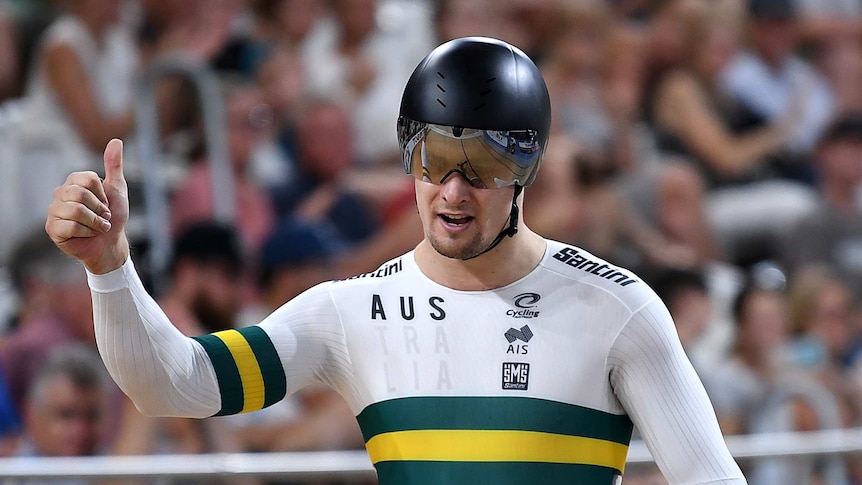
x=511 y=227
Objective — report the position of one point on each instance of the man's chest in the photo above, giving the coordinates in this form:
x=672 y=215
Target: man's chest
x=529 y=343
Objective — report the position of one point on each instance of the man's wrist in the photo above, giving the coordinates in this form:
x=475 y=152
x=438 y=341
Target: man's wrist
x=110 y=260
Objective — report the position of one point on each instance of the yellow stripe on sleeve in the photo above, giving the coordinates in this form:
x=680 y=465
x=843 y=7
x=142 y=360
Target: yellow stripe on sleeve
x=249 y=370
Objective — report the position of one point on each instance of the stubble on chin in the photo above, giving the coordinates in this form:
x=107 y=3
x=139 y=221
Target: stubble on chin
x=454 y=250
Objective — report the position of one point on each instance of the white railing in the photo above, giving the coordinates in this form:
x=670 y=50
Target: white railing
x=355 y=465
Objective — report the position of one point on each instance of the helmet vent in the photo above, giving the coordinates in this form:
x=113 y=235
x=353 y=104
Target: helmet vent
x=441 y=102
x=484 y=93
x=441 y=75
x=441 y=88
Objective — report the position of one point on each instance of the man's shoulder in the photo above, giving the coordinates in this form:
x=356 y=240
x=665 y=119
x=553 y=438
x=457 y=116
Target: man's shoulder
x=390 y=270
x=582 y=267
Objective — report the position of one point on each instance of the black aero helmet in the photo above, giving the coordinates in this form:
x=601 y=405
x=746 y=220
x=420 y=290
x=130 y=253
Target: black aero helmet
x=483 y=104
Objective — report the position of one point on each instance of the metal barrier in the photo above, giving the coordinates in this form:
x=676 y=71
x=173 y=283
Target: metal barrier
x=355 y=465
x=155 y=191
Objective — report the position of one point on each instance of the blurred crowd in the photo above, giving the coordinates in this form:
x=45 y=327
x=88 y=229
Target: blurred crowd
x=713 y=146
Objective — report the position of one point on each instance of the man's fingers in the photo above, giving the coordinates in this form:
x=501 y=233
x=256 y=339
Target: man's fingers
x=88 y=181
x=114 y=162
x=78 y=213
x=62 y=230
x=72 y=193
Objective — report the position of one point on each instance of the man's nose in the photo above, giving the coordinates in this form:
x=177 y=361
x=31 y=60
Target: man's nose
x=455 y=188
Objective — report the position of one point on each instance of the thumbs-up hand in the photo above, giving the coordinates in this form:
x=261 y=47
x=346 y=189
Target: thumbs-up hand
x=87 y=218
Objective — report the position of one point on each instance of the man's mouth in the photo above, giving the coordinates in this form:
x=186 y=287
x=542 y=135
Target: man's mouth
x=456 y=219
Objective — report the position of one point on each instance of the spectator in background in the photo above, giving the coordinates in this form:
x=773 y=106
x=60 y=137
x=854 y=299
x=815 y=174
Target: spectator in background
x=830 y=22
x=249 y=122
x=10 y=419
x=841 y=64
x=53 y=311
x=361 y=56
x=205 y=291
x=822 y=318
x=464 y=18
x=577 y=202
x=759 y=390
x=666 y=193
x=686 y=295
x=596 y=77
x=530 y=23
x=746 y=205
x=195 y=28
x=285 y=24
x=832 y=234
x=294 y=258
x=740 y=384
x=768 y=78
x=260 y=28
x=82 y=77
x=66 y=408
x=573 y=73
x=664 y=46
x=196 y=31
x=317 y=193
x=281 y=77
x=77 y=97
x=9 y=57
x=694 y=120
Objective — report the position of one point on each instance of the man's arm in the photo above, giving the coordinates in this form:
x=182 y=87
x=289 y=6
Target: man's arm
x=160 y=369
x=655 y=382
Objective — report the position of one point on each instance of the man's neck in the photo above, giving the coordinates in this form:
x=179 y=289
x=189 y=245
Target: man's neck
x=510 y=261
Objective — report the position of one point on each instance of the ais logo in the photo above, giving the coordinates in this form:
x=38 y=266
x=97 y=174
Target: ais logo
x=516 y=376
x=524 y=335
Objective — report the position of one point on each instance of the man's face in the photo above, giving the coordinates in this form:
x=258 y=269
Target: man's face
x=775 y=39
x=218 y=299
x=842 y=160
x=70 y=299
x=461 y=221
x=326 y=141
x=67 y=420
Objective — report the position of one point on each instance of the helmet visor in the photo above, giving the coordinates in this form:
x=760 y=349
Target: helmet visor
x=487 y=159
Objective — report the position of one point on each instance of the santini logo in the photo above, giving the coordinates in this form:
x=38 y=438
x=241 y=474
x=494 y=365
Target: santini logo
x=525 y=301
x=516 y=376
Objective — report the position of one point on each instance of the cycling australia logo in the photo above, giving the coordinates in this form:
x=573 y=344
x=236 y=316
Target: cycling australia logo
x=525 y=305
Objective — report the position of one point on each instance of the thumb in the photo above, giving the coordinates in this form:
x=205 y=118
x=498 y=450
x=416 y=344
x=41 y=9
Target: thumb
x=114 y=162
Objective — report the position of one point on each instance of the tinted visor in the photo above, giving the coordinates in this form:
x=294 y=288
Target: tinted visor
x=485 y=158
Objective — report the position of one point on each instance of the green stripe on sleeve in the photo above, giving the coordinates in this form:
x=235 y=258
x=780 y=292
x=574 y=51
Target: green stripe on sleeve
x=275 y=382
x=227 y=374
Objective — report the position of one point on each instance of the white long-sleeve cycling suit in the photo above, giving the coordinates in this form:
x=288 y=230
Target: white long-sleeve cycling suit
x=539 y=381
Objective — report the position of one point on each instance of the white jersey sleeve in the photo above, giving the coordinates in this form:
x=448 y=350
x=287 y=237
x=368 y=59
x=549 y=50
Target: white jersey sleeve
x=161 y=370
x=657 y=385
x=168 y=374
